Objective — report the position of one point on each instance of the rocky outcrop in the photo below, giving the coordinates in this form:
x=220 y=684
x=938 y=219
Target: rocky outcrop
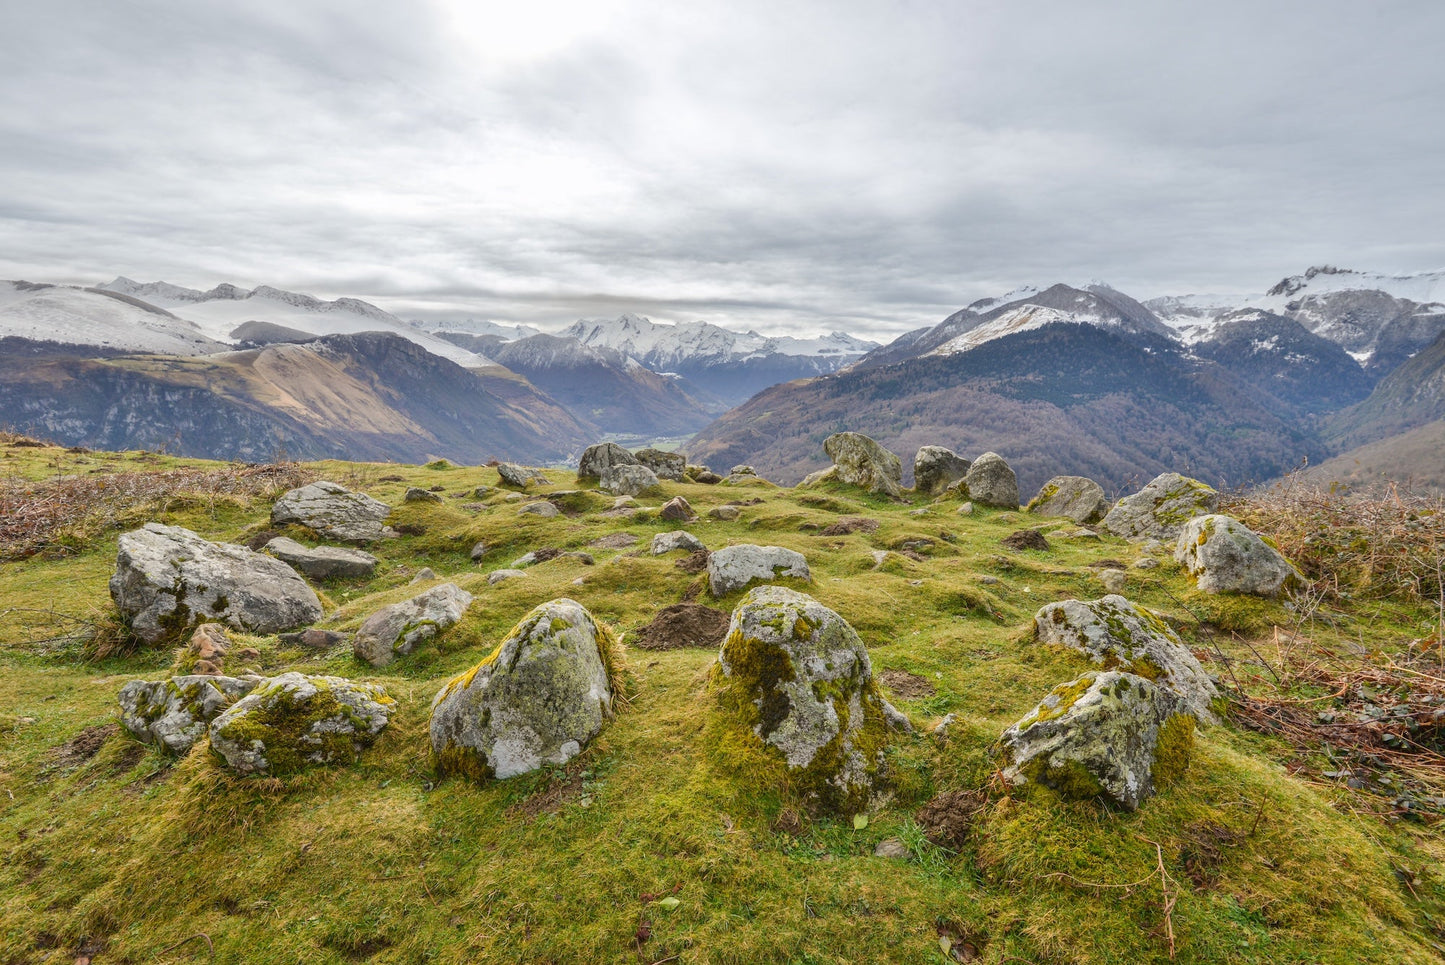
x=1160 y=509
x=796 y=676
x=520 y=477
x=934 y=467
x=396 y=630
x=628 y=480
x=294 y=721
x=1117 y=634
x=862 y=462
x=1227 y=556
x=540 y=697
x=667 y=465
x=168 y=579
x=175 y=713
x=323 y=562
x=990 y=482
x=1075 y=497
x=734 y=567
x=333 y=512
x=601 y=457
x=1106 y=734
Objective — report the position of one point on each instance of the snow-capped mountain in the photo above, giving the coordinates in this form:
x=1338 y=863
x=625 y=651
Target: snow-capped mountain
x=476 y=326
x=223 y=309
x=104 y=319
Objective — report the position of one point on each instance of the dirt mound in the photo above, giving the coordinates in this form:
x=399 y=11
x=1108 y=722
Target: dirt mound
x=901 y=683
x=1025 y=539
x=684 y=625
x=948 y=818
x=83 y=746
x=694 y=562
x=852 y=524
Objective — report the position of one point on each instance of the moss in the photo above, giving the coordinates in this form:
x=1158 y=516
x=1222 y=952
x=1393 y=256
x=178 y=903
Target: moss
x=1058 y=702
x=1045 y=494
x=760 y=667
x=1067 y=778
x=283 y=726
x=1173 y=751
x=462 y=762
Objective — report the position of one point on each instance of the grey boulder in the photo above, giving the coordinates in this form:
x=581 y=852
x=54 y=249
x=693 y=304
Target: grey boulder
x=293 y=721
x=935 y=467
x=863 y=462
x=599 y=458
x=678 y=539
x=333 y=512
x=1074 y=497
x=540 y=507
x=734 y=567
x=174 y=713
x=322 y=562
x=398 y=629
x=1227 y=556
x=1160 y=510
x=990 y=482
x=520 y=476
x=628 y=480
x=667 y=465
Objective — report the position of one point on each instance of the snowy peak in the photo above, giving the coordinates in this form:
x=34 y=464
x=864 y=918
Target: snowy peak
x=664 y=347
x=95 y=317
x=1422 y=287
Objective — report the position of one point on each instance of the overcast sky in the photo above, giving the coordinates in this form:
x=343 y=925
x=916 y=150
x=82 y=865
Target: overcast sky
x=786 y=166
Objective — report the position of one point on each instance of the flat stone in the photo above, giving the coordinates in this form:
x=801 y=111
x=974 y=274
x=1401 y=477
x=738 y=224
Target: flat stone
x=323 y=562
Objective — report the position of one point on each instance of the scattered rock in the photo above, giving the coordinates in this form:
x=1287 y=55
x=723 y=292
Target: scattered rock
x=541 y=696
x=966 y=509
x=724 y=513
x=539 y=508
x=615 y=541
x=398 y=628
x=1227 y=556
x=862 y=462
x=323 y=562
x=601 y=457
x=478 y=551
x=666 y=465
x=520 y=476
x=707 y=477
x=1160 y=510
x=174 y=713
x=415 y=494
x=850 y=524
x=1146 y=563
x=1115 y=633
x=536 y=556
x=629 y=480
x=292 y=721
x=935 y=467
x=497 y=576
x=208 y=646
x=424 y=575
x=991 y=482
x=333 y=512
x=742 y=470
x=892 y=848
x=1025 y=539
x=168 y=579
x=1081 y=532
x=1075 y=497
x=677 y=509
x=1106 y=734
x=734 y=567
x=683 y=625
x=314 y=639
x=678 y=539
x=1113 y=580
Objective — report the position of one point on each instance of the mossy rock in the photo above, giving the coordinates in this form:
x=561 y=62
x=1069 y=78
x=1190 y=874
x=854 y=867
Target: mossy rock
x=1160 y=509
x=1226 y=556
x=174 y=713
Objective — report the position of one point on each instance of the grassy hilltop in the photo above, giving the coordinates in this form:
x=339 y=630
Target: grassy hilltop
x=1307 y=829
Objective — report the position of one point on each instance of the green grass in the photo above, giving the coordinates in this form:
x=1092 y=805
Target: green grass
x=383 y=862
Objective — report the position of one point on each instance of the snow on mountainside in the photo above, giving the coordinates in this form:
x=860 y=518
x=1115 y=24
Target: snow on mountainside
x=80 y=316
x=1423 y=287
x=220 y=311
x=474 y=326
x=662 y=346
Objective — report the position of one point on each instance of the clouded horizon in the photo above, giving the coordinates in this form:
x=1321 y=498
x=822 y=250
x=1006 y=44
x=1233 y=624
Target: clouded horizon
x=799 y=167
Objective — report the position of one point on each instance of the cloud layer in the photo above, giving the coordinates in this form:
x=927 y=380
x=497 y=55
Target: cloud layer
x=807 y=166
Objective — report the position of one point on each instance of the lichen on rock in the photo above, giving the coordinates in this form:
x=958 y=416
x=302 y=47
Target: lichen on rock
x=1160 y=509
x=397 y=629
x=862 y=462
x=1227 y=556
x=734 y=567
x=174 y=713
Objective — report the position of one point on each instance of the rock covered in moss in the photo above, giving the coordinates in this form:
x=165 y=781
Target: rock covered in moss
x=1160 y=509
x=1118 y=635
x=1106 y=734
x=294 y=721
x=174 y=713
x=322 y=562
x=990 y=482
x=540 y=507
x=540 y=697
x=521 y=477
x=667 y=465
x=799 y=679
x=334 y=512
x=398 y=629
x=1075 y=497
x=629 y=480
x=599 y=458
x=168 y=579
x=862 y=462
x=734 y=567
x=935 y=468
x=1227 y=556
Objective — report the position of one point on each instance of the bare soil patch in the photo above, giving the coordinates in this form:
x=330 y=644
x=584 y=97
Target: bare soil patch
x=684 y=625
x=901 y=683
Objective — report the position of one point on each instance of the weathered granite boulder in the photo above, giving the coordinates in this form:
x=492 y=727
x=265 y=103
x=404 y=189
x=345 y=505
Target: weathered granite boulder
x=678 y=539
x=1227 y=556
x=540 y=697
x=628 y=480
x=667 y=465
x=724 y=514
x=1106 y=734
x=816 y=478
x=1160 y=509
x=520 y=476
x=863 y=462
x=934 y=467
x=333 y=512
x=397 y=629
x=601 y=457
x=540 y=507
x=1117 y=634
x=677 y=509
x=415 y=494
x=1075 y=497
x=322 y=562
x=168 y=579
x=990 y=482
x=292 y=721
x=798 y=678
x=734 y=567
x=174 y=713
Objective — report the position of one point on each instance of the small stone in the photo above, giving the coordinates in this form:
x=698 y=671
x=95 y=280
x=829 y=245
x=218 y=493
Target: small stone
x=1113 y=580
x=477 y=552
x=514 y=497
x=415 y=494
x=540 y=508
x=676 y=540
x=314 y=639
x=724 y=513
x=677 y=509
x=399 y=628
x=497 y=576
x=734 y=567
x=892 y=848
x=424 y=575
x=966 y=509
x=1146 y=563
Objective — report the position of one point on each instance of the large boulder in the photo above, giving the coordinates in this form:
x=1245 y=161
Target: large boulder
x=333 y=512
x=1227 y=556
x=798 y=678
x=863 y=462
x=1160 y=509
x=1119 y=635
x=628 y=480
x=1075 y=497
x=1106 y=734
x=398 y=628
x=538 y=699
x=322 y=562
x=667 y=465
x=990 y=482
x=292 y=721
x=601 y=457
x=175 y=713
x=934 y=467
x=168 y=579
x=519 y=476
x=734 y=567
